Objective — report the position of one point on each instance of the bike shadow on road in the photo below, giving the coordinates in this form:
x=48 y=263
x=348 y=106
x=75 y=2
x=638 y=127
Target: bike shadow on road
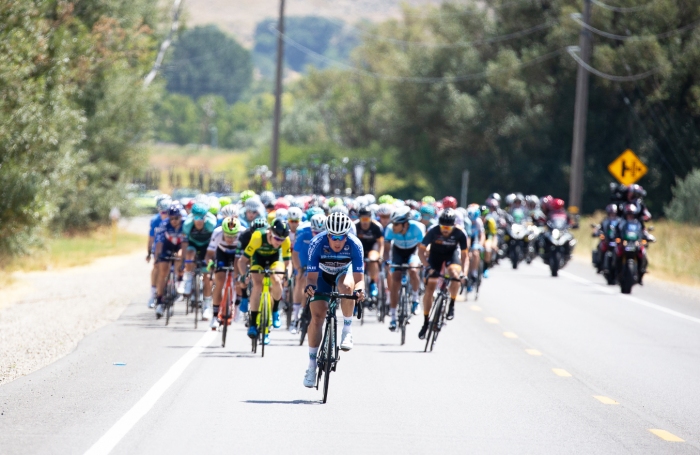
x=311 y=402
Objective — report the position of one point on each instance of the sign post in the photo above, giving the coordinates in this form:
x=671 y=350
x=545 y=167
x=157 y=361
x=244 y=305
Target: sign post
x=627 y=168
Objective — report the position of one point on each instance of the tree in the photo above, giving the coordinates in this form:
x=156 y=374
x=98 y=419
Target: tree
x=685 y=206
x=205 y=61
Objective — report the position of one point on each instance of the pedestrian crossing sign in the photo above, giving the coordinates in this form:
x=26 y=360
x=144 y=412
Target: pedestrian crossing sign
x=627 y=168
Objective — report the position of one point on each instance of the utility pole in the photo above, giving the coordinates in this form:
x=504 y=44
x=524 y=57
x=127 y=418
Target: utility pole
x=465 y=187
x=578 y=148
x=275 y=152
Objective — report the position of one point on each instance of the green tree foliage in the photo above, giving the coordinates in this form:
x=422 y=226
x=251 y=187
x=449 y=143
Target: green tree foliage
x=321 y=35
x=205 y=61
x=685 y=206
x=510 y=120
x=73 y=110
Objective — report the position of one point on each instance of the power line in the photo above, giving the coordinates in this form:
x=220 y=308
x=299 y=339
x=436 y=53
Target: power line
x=419 y=80
x=572 y=51
x=577 y=18
x=620 y=9
x=495 y=39
x=165 y=45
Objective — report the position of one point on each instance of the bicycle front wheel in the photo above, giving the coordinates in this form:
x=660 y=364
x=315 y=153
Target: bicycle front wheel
x=195 y=300
x=264 y=315
x=227 y=314
x=329 y=348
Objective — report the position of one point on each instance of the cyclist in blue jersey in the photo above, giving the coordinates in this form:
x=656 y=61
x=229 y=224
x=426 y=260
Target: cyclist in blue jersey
x=159 y=219
x=338 y=256
x=477 y=238
x=300 y=259
x=405 y=235
x=168 y=243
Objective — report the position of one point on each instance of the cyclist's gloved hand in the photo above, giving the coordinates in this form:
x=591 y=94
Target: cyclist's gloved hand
x=241 y=279
x=210 y=265
x=360 y=293
x=310 y=290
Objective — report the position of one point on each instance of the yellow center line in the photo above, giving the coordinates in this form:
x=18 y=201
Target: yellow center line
x=475 y=308
x=491 y=320
x=533 y=352
x=510 y=335
x=605 y=400
x=561 y=372
x=666 y=436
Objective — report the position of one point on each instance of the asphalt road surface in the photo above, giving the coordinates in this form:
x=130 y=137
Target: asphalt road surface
x=536 y=365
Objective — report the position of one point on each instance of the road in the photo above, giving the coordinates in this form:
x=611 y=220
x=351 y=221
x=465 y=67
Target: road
x=537 y=365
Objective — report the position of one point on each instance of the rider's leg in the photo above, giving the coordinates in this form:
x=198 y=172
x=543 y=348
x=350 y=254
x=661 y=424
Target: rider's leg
x=255 y=298
x=219 y=278
x=373 y=267
x=318 y=313
x=346 y=285
x=299 y=298
x=415 y=284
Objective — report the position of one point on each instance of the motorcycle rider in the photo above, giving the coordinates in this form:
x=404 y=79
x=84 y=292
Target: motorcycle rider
x=606 y=230
x=631 y=215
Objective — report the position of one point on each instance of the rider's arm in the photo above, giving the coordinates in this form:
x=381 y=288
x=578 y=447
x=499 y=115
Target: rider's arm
x=243 y=263
x=464 y=256
x=380 y=243
x=423 y=254
x=296 y=263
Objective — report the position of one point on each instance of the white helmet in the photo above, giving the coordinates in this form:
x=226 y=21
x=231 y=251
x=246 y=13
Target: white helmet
x=267 y=197
x=294 y=214
x=384 y=209
x=318 y=222
x=340 y=208
x=338 y=223
x=229 y=211
x=401 y=215
x=370 y=198
x=253 y=204
x=510 y=199
x=282 y=214
x=164 y=204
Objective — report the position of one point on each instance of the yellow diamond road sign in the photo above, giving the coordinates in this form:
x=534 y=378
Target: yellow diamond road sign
x=627 y=168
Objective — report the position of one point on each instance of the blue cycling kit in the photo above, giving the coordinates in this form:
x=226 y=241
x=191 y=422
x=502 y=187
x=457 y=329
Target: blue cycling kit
x=301 y=244
x=323 y=258
x=410 y=240
x=156 y=226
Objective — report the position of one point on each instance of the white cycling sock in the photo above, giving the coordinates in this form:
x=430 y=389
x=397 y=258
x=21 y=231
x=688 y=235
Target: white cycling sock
x=392 y=313
x=415 y=296
x=153 y=291
x=295 y=310
x=207 y=302
x=312 y=357
x=188 y=277
x=347 y=324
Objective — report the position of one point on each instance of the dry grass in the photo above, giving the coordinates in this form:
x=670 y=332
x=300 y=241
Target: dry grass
x=674 y=257
x=70 y=251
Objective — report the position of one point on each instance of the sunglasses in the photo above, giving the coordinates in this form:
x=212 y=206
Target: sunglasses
x=446 y=228
x=229 y=238
x=365 y=218
x=337 y=238
x=174 y=218
x=292 y=221
x=279 y=239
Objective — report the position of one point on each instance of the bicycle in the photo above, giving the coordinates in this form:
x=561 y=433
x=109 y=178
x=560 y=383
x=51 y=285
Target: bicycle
x=265 y=316
x=289 y=299
x=304 y=322
x=382 y=304
x=404 y=312
x=329 y=352
x=439 y=311
x=170 y=288
x=196 y=297
x=227 y=299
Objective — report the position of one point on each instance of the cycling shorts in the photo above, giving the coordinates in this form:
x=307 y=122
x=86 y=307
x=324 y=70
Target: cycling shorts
x=375 y=247
x=200 y=252
x=168 y=250
x=404 y=257
x=476 y=246
x=224 y=259
x=437 y=263
x=270 y=263
x=328 y=283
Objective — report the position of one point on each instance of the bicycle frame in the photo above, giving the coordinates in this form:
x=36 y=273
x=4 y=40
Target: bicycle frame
x=265 y=317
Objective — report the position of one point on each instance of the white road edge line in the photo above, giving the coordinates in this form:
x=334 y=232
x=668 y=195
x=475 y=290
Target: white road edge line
x=115 y=434
x=636 y=300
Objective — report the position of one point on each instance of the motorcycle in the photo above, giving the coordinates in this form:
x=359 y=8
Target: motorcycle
x=604 y=257
x=517 y=237
x=558 y=245
x=533 y=234
x=631 y=255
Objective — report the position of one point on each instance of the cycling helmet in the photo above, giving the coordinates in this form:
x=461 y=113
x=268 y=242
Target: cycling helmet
x=314 y=211
x=294 y=214
x=223 y=201
x=630 y=209
x=557 y=204
x=385 y=210
x=611 y=209
x=415 y=205
x=401 y=215
x=267 y=198
x=229 y=211
x=492 y=204
x=496 y=197
x=253 y=204
x=297 y=202
x=199 y=211
x=161 y=197
x=427 y=211
x=341 y=209
x=247 y=194
x=484 y=210
x=282 y=214
x=510 y=199
x=449 y=202
x=519 y=197
x=271 y=216
x=447 y=217
x=338 y=223
x=259 y=223
x=279 y=227
x=318 y=222
x=164 y=204
x=370 y=199
x=175 y=209
x=334 y=201
x=386 y=199
x=545 y=201
x=473 y=212
x=428 y=200
x=281 y=203
x=415 y=215
x=231 y=226
x=364 y=211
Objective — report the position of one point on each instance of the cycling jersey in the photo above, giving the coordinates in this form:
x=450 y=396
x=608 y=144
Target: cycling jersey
x=171 y=235
x=490 y=225
x=244 y=239
x=444 y=247
x=370 y=236
x=156 y=225
x=301 y=244
x=408 y=241
x=323 y=258
x=259 y=250
x=217 y=242
x=199 y=238
x=475 y=229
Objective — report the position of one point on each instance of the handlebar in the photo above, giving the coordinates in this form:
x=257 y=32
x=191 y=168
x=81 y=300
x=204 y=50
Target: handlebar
x=336 y=295
x=267 y=272
x=405 y=266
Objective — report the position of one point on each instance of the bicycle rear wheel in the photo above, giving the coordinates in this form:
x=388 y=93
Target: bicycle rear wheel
x=227 y=315
x=264 y=302
x=403 y=314
x=196 y=290
x=434 y=321
x=439 y=320
x=169 y=296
